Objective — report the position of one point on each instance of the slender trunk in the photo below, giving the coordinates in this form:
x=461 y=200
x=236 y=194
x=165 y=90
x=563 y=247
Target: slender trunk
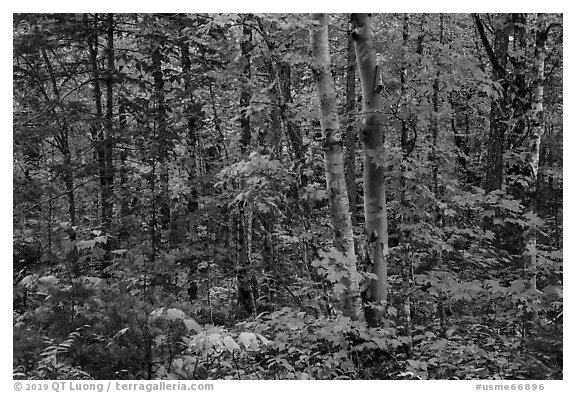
x=63 y=144
x=246 y=47
x=246 y=280
x=461 y=137
x=405 y=238
x=520 y=105
x=335 y=179
x=123 y=170
x=376 y=220
x=498 y=110
x=293 y=131
x=215 y=155
x=108 y=138
x=274 y=134
x=193 y=113
x=350 y=135
x=99 y=129
x=434 y=130
x=280 y=75
x=162 y=136
x=534 y=137
x=107 y=144
x=69 y=181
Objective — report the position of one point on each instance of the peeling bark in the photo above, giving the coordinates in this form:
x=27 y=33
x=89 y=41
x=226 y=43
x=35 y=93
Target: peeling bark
x=376 y=219
x=334 y=164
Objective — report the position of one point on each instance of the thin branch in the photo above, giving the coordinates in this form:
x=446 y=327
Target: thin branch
x=52 y=198
x=489 y=51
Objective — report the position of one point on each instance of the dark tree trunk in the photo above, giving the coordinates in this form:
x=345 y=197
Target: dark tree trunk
x=404 y=235
x=246 y=281
x=162 y=135
x=350 y=134
x=108 y=138
x=246 y=47
x=63 y=144
x=194 y=115
x=498 y=110
x=100 y=127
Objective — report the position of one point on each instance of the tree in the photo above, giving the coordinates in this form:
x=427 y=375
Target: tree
x=334 y=164
x=376 y=222
x=351 y=134
x=498 y=56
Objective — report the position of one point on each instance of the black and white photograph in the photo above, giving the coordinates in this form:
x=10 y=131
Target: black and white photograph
x=286 y=196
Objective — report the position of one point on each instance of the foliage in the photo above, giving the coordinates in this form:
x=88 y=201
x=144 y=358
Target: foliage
x=171 y=214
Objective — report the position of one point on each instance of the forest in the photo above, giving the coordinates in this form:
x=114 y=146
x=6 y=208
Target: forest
x=287 y=196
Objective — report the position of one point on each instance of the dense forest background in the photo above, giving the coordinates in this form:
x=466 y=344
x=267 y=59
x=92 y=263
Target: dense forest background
x=285 y=196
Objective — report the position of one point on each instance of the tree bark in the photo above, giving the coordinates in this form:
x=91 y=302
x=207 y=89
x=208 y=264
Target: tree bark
x=100 y=128
x=376 y=219
x=162 y=134
x=246 y=47
x=193 y=114
x=350 y=136
x=108 y=140
x=63 y=144
x=498 y=110
x=534 y=138
x=246 y=280
x=404 y=235
x=334 y=164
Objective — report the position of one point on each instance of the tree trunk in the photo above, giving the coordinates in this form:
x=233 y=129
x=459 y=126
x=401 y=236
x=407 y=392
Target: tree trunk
x=461 y=134
x=246 y=47
x=63 y=144
x=335 y=179
x=108 y=138
x=534 y=137
x=194 y=115
x=162 y=135
x=376 y=219
x=350 y=135
x=435 y=113
x=404 y=235
x=246 y=280
x=498 y=110
x=100 y=127
x=520 y=104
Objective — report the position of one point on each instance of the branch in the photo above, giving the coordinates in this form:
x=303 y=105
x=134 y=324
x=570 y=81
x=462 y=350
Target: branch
x=489 y=51
x=52 y=198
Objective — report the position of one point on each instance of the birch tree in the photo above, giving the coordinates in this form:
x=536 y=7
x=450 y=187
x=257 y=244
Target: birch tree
x=334 y=164
x=372 y=136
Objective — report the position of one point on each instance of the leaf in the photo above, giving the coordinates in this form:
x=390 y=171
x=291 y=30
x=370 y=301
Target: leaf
x=157 y=313
x=264 y=340
x=83 y=244
x=120 y=333
x=552 y=293
x=230 y=344
x=191 y=324
x=174 y=314
x=101 y=239
x=247 y=339
x=48 y=281
x=92 y=281
x=29 y=280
